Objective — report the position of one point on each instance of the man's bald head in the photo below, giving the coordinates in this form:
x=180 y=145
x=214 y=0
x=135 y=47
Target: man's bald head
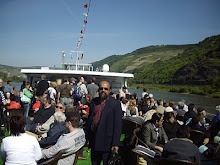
x=104 y=90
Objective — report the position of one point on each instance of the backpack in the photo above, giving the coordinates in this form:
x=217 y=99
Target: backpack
x=76 y=94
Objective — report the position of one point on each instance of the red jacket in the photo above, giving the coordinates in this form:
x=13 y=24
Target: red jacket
x=13 y=105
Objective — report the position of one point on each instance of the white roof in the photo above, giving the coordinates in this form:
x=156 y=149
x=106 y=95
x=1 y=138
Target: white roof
x=74 y=72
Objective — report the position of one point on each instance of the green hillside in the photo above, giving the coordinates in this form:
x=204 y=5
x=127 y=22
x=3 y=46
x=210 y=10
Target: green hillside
x=140 y=57
x=192 y=65
x=197 y=65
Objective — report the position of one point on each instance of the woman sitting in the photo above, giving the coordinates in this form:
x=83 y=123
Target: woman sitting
x=169 y=125
x=20 y=148
x=58 y=129
x=153 y=133
x=13 y=103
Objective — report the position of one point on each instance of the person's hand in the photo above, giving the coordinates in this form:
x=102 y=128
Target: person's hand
x=159 y=148
x=31 y=118
x=39 y=139
x=84 y=112
x=116 y=148
x=206 y=141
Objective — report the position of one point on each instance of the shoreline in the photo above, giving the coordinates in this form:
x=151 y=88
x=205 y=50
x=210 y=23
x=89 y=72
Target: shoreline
x=205 y=91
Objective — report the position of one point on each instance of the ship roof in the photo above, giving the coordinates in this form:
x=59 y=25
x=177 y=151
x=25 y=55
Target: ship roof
x=76 y=72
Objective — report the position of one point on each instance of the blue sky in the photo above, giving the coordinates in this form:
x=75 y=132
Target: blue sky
x=35 y=32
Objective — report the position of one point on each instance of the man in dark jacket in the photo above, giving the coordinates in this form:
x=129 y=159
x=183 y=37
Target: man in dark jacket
x=104 y=125
x=192 y=111
x=181 y=148
x=41 y=116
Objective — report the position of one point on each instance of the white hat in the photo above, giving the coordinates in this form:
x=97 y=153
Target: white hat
x=169 y=109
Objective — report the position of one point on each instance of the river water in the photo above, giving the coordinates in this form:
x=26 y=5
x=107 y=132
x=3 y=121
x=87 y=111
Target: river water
x=199 y=101
x=207 y=102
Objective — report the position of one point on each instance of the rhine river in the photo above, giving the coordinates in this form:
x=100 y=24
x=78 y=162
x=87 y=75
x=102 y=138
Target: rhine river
x=207 y=102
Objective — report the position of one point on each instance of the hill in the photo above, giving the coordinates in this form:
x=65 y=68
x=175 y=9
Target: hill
x=13 y=73
x=140 y=57
x=195 y=64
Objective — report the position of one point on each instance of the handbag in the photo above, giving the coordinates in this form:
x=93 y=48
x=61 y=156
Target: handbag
x=115 y=159
x=25 y=99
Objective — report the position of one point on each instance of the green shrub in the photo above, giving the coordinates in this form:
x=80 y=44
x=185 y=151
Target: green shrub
x=183 y=90
x=197 y=91
x=174 y=89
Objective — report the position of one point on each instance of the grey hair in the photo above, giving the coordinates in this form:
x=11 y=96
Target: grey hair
x=59 y=116
x=180 y=104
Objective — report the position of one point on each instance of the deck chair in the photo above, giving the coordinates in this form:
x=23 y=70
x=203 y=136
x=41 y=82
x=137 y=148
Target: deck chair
x=197 y=137
x=142 y=150
x=128 y=126
x=165 y=161
x=52 y=161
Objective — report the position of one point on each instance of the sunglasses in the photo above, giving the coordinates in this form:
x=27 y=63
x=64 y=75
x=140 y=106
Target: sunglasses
x=59 y=107
x=103 y=88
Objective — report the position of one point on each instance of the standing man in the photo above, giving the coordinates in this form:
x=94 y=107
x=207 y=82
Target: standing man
x=82 y=90
x=42 y=86
x=64 y=93
x=93 y=88
x=75 y=94
x=8 y=88
x=104 y=125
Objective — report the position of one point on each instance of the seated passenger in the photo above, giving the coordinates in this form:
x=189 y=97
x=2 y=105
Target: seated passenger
x=144 y=106
x=41 y=116
x=20 y=148
x=56 y=131
x=13 y=103
x=216 y=118
x=169 y=125
x=191 y=111
x=181 y=148
x=203 y=118
x=153 y=133
x=160 y=108
x=180 y=110
x=44 y=128
x=69 y=143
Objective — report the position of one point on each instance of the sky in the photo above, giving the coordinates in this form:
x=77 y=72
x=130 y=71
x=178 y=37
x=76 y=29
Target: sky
x=35 y=32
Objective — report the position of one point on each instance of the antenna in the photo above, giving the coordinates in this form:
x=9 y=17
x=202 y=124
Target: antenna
x=63 y=58
x=77 y=56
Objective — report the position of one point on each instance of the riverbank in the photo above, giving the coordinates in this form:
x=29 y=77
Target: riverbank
x=197 y=90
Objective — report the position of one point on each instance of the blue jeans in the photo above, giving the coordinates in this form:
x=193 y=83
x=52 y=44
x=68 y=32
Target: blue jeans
x=26 y=109
x=65 y=101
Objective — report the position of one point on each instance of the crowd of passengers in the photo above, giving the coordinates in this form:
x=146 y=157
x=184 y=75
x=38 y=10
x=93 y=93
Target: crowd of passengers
x=56 y=113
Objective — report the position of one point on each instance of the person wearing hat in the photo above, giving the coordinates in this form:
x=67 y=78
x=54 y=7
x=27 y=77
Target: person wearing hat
x=216 y=118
